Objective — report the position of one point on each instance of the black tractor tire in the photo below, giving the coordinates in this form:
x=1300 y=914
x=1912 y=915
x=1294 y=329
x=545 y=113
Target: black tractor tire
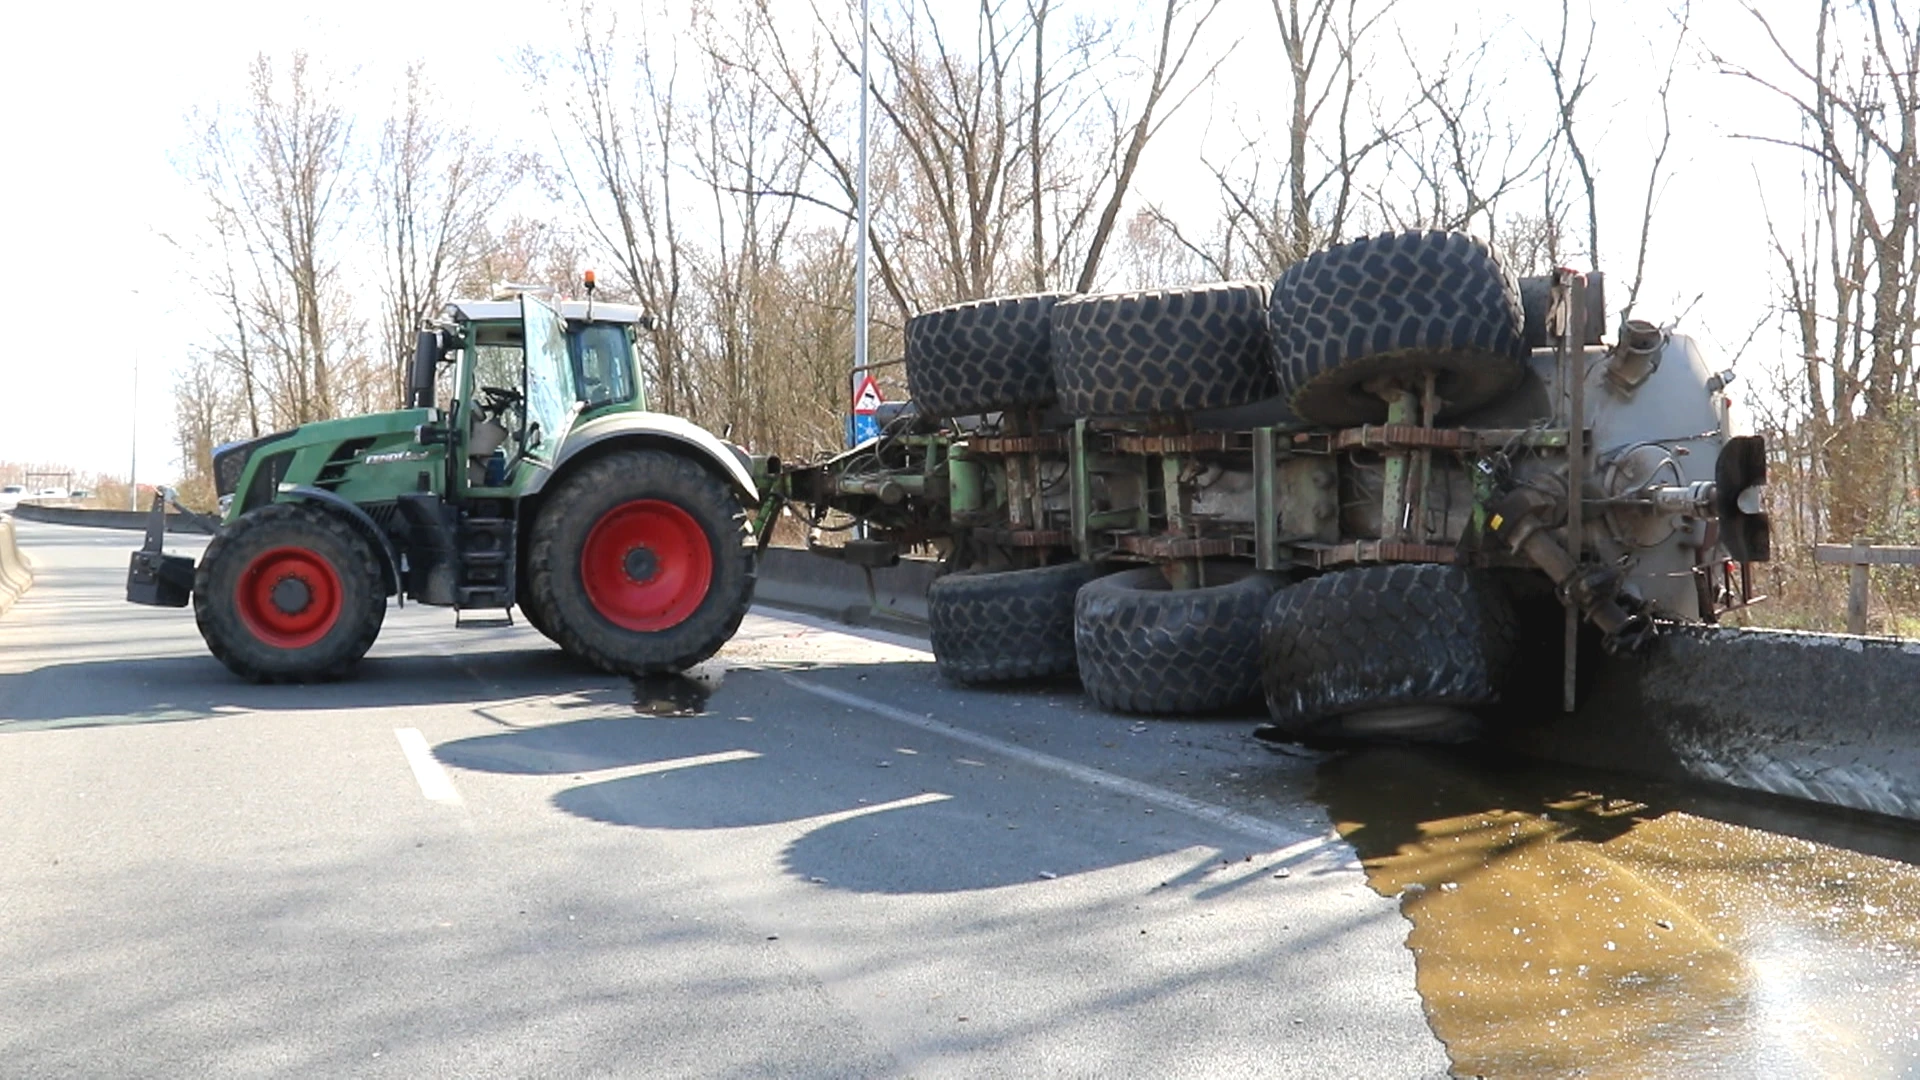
x=1396 y=305
x=982 y=356
x=642 y=560
x=1005 y=625
x=1401 y=650
x=290 y=592
x=537 y=617
x=1164 y=352
x=1144 y=647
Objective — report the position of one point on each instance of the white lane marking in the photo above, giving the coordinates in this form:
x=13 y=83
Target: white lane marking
x=671 y=764
x=831 y=626
x=1289 y=841
x=925 y=798
x=435 y=784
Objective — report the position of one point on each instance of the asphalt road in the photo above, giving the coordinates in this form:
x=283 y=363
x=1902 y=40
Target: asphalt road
x=815 y=859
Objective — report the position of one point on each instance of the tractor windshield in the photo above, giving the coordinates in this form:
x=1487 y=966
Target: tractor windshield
x=550 y=397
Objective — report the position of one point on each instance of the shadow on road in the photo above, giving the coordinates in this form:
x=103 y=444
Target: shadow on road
x=96 y=693
x=869 y=815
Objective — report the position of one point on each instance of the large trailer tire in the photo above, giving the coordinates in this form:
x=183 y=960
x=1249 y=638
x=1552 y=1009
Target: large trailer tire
x=1398 y=652
x=1006 y=625
x=1397 y=304
x=642 y=560
x=1145 y=647
x=1162 y=352
x=981 y=356
x=291 y=592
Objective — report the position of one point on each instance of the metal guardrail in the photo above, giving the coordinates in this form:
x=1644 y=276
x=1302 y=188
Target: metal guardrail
x=130 y=520
x=15 y=573
x=798 y=579
x=1858 y=556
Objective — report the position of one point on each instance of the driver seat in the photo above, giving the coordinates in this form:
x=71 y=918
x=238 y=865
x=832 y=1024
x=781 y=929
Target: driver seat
x=485 y=435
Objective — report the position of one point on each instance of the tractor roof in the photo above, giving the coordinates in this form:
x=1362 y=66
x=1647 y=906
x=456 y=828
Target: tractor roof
x=573 y=310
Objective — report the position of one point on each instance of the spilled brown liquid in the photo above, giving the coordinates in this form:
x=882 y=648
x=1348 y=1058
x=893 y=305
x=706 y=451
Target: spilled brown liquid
x=1562 y=930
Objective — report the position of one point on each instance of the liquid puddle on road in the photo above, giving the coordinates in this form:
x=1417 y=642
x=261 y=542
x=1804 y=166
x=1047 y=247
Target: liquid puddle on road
x=1561 y=930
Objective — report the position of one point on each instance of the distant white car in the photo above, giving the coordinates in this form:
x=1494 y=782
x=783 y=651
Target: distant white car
x=10 y=495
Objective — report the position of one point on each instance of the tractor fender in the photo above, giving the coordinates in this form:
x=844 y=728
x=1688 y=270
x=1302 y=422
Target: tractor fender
x=651 y=427
x=388 y=556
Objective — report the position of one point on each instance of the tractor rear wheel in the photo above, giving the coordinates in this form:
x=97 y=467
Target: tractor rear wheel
x=289 y=593
x=642 y=563
x=537 y=617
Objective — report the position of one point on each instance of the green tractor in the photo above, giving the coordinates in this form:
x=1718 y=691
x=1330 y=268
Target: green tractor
x=539 y=479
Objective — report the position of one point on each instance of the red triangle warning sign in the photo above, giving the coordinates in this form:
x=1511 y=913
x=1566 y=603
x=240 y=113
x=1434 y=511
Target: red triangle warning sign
x=866 y=398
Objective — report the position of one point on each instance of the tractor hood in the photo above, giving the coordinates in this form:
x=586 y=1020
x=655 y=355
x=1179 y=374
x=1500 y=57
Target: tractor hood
x=318 y=452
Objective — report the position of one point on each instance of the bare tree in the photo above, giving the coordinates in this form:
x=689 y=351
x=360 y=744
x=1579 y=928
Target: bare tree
x=1001 y=160
x=1333 y=131
x=278 y=178
x=1571 y=80
x=1465 y=151
x=1176 y=45
x=528 y=250
x=1682 y=30
x=614 y=118
x=1851 y=275
x=434 y=187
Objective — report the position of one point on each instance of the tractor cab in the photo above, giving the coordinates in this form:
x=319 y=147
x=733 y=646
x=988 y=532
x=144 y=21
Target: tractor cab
x=513 y=375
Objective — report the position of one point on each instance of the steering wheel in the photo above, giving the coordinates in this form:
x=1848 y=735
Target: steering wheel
x=497 y=400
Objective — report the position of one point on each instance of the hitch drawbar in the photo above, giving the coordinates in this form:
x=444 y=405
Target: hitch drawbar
x=156 y=578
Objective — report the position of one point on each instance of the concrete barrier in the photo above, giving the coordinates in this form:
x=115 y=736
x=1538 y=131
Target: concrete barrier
x=1825 y=718
x=130 y=520
x=798 y=579
x=15 y=573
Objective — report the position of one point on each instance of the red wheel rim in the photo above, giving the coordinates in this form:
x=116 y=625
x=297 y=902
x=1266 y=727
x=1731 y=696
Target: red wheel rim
x=289 y=597
x=646 y=565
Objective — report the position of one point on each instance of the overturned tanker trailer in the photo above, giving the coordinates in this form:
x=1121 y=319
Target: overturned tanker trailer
x=1394 y=492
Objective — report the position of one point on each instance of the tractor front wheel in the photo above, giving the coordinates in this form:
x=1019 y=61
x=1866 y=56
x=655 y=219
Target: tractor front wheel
x=640 y=563
x=289 y=593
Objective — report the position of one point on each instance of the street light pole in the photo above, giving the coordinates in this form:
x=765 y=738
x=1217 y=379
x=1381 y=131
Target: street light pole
x=860 y=228
x=133 y=454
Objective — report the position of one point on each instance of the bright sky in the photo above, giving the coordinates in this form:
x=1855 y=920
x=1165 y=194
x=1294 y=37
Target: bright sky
x=99 y=113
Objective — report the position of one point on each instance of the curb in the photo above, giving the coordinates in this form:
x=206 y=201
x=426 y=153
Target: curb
x=16 y=574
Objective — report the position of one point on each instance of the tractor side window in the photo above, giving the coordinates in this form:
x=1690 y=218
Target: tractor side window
x=602 y=364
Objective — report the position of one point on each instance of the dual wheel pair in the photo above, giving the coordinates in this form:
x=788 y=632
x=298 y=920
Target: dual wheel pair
x=636 y=562
x=1393 y=649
